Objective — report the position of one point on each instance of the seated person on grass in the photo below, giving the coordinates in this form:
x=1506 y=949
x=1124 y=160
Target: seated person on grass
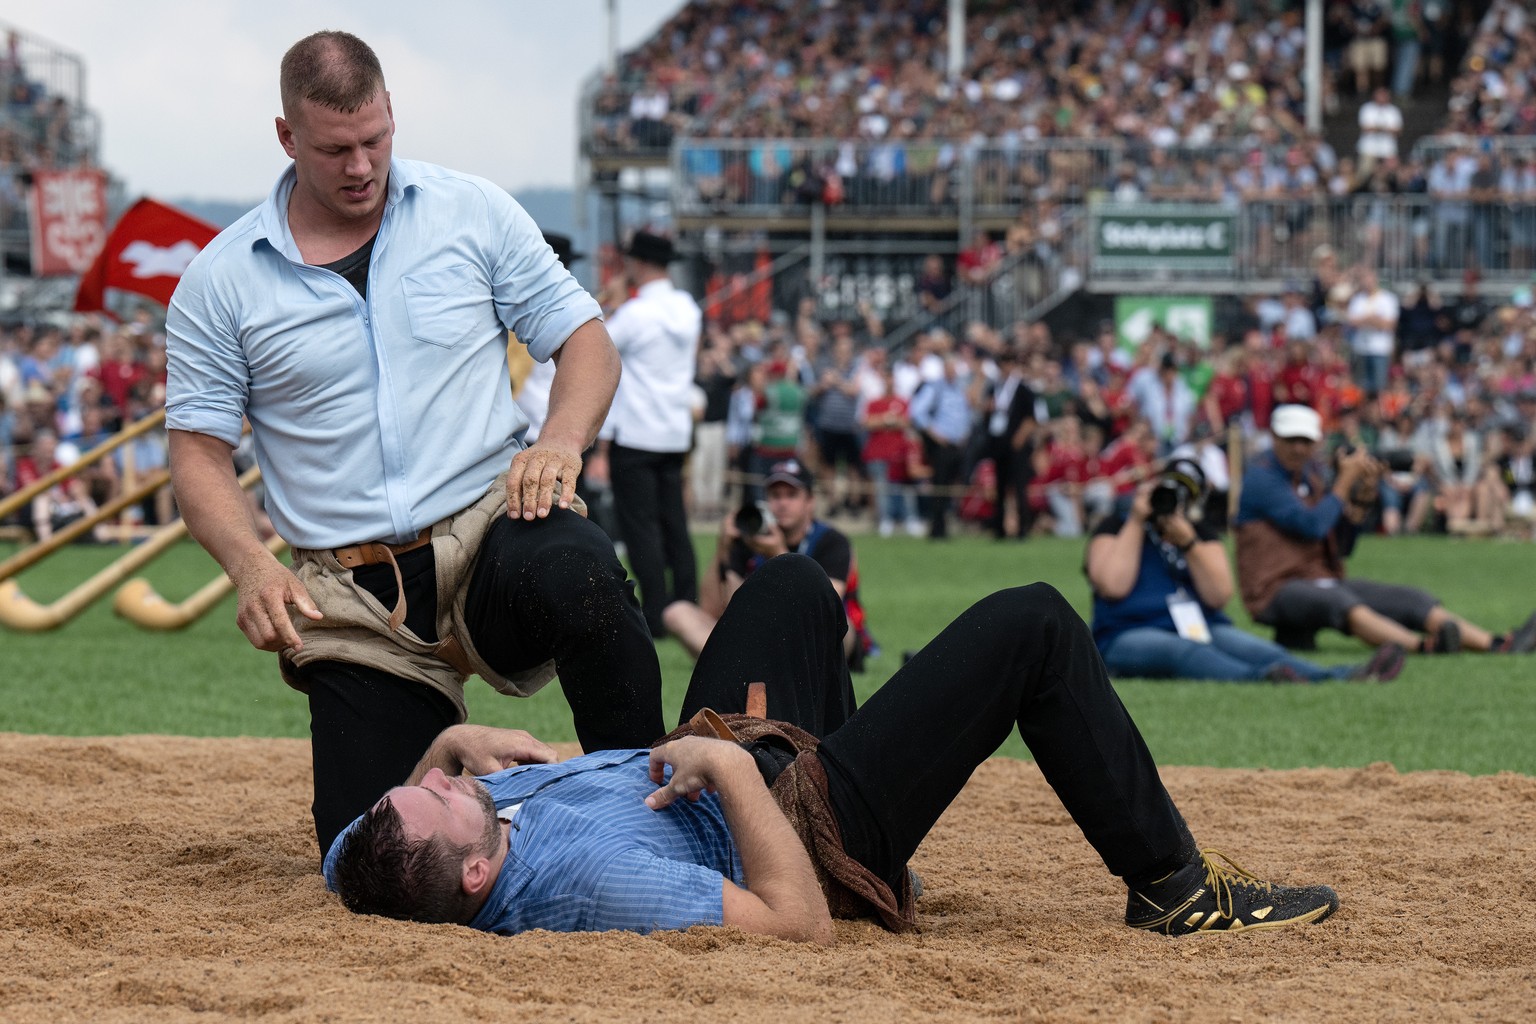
x=1160 y=578
x=1294 y=532
x=807 y=814
x=744 y=546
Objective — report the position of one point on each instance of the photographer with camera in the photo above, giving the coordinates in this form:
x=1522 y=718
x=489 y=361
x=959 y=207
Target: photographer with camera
x=1160 y=578
x=752 y=535
x=1294 y=533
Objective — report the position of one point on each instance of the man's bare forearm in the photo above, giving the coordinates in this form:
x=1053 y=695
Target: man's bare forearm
x=782 y=896
x=217 y=514
x=777 y=868
x=586 y=376
x=210 y=499
x=480 y=750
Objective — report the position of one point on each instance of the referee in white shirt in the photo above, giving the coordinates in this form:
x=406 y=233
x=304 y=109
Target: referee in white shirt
x=650 y=427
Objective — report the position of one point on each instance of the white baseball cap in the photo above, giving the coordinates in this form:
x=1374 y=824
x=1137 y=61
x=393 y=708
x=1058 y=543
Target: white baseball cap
x=1296 y=421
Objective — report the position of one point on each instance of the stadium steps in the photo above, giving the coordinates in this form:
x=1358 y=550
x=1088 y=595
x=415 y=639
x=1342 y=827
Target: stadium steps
x=1423 y=114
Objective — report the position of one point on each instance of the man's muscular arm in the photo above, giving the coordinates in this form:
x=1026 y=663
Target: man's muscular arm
x=480 y=750
x=782 y=897
x=217 y=516
x=586 y=375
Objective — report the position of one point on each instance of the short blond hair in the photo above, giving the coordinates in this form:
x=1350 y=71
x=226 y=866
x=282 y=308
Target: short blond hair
x=333 y=69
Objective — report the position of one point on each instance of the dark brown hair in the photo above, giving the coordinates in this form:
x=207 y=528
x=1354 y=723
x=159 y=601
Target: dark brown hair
x=380 y=870
x=334 y=69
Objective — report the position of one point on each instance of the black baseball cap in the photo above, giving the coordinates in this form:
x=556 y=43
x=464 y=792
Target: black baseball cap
x=789 y=472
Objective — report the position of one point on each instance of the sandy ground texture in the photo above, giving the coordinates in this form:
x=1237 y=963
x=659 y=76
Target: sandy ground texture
x=171 y=879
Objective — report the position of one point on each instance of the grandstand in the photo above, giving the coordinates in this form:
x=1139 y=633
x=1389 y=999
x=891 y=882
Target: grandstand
x=44 y=125
x=838 y=139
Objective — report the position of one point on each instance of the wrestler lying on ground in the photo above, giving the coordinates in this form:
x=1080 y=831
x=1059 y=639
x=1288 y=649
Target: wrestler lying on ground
x=779 y=832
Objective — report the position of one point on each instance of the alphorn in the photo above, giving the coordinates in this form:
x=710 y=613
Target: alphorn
x=140 y=604
x=95 y=455
x=42 y=549
x=20 y=612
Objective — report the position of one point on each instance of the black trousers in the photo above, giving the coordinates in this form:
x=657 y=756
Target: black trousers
x=1019 y=658
x=946 y=461
x=648 y=501
x=549 y=588
x=1014 y=473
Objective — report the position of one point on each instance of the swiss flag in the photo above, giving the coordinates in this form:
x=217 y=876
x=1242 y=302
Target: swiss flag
x=146 y=253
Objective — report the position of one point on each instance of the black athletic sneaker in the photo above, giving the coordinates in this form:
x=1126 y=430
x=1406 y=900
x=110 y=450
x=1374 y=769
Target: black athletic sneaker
x=1446 y=640
x=1206 y=897
x=1522 y=640
x=1386 y=664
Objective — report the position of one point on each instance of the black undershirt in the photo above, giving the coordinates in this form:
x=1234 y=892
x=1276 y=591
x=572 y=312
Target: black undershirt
x=355 y=266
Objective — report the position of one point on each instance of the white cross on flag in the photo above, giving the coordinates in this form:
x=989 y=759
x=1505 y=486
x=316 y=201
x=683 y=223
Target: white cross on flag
x=69 y=220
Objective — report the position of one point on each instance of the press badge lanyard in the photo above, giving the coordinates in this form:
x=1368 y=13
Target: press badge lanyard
x=1188 y=617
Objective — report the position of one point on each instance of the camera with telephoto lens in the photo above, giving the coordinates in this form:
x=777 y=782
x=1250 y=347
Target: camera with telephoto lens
x=1180 y=488
x=752 y=519
x=1394 y=460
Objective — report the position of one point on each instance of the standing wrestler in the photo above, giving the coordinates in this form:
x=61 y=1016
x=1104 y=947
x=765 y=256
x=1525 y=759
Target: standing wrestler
x=358 y=319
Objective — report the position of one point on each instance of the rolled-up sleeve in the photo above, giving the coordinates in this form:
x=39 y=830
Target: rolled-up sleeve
x=207 y=379
x=535 y=296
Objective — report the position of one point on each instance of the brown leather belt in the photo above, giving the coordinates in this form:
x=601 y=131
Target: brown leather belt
x=377 y=553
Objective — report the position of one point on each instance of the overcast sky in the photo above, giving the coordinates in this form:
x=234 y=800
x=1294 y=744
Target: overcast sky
x=186 y=90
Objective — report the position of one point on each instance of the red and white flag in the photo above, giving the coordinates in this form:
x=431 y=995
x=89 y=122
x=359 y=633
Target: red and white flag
x=146 y=253
x=69 y=220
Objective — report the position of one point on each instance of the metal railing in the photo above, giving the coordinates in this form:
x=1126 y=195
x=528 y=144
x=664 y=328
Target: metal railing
x=1431 y=148
x=766 y=177
x=1025 y=286
x=50 y=69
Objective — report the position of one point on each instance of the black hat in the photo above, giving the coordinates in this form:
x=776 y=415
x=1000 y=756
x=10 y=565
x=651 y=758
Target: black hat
x=648 y=248
x=564 y=252
x=789 y=472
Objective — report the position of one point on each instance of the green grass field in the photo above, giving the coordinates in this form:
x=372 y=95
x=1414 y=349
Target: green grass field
x=100 y=675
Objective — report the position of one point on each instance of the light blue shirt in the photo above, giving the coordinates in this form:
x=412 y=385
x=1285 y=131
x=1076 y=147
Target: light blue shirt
x=371 y=420
x=587 y=854
x=941 y=408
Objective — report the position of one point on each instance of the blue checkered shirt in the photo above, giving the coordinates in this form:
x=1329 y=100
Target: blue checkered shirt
x=587 y=854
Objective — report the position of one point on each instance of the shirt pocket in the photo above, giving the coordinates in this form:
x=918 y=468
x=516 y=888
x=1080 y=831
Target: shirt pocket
x=444 y=304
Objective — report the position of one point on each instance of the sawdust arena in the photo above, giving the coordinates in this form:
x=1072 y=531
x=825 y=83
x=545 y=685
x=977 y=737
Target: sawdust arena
x=174 y=879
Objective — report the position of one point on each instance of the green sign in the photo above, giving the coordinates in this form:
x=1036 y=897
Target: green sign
x=1186 y=317
x=1162 y=237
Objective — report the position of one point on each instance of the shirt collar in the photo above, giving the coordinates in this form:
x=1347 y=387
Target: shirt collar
x=274 y=212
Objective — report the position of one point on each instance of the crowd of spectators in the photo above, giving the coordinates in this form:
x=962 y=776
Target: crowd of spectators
x=1135 y=100
x=65 y=387
x=1160 y=71
x=1443 y=388
x=1154 y=98
x=1494 y=92
x=1147 y=100
x=1014 y=430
